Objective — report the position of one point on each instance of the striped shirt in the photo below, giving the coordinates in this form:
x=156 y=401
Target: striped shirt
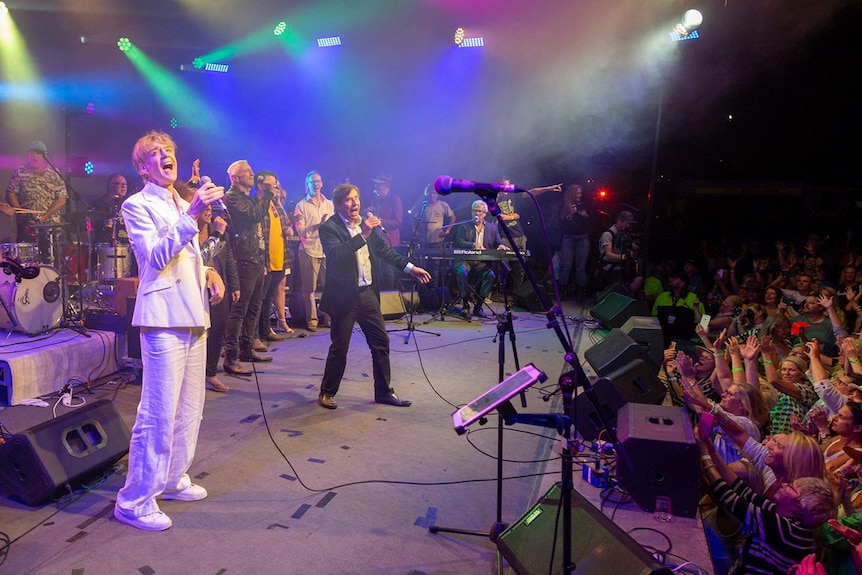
x=775 y=544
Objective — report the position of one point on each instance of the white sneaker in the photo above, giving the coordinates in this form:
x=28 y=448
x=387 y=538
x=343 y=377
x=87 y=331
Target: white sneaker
x=191 y=493
x=156 y=521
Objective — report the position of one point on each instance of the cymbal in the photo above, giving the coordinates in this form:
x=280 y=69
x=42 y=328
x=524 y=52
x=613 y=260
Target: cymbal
x=48 y=225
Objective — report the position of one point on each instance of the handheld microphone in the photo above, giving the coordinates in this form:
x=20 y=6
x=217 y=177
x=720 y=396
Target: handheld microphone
x=371 y=215
x=445 y=185
x=206 y=180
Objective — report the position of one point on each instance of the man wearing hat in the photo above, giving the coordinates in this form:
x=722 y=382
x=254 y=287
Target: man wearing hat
x=388 y=208
x=616 y=259
x=36 y=187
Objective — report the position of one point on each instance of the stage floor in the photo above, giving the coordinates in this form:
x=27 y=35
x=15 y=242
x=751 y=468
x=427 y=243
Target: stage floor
x=297 y=489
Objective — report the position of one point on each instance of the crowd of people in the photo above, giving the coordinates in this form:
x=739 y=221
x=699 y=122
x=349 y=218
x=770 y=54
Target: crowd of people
x=768 y=362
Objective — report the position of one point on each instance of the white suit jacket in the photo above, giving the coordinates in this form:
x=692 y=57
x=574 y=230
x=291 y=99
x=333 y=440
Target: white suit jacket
x=172 y=290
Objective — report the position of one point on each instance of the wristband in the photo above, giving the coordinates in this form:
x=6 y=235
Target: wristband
x=737 y=370
x=705 y=458
x=714 y=409
x=216 y=234
x=854 y=360
x=766 y=362
x=705 y=467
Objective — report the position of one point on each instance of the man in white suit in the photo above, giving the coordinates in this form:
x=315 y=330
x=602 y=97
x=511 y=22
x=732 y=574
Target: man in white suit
x=172 y=310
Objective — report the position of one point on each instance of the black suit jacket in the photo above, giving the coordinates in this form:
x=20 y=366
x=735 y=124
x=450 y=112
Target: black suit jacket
x=342 y=274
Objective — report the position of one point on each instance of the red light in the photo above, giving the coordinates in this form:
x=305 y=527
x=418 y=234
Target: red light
x=603 y=194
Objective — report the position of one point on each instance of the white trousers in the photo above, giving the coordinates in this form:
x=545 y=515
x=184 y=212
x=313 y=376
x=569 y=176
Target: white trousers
x=169 y=416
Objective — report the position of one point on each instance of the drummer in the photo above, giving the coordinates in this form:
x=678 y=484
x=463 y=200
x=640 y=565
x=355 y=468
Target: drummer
x=37 y=193
x=108 y=226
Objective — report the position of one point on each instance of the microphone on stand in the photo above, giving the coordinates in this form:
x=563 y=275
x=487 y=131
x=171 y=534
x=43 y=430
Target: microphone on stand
x=445 y=185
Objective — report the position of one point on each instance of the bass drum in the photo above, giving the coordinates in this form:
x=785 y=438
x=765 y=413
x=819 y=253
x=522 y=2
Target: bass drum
x=32 y=306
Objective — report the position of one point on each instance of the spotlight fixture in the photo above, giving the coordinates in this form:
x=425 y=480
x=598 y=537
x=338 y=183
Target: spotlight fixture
x=124 y=44
x=329 y=42
x=198 y=63
x=91 y=108
x=691 y=21
x=174 y=123
x=459 y=36
x=279 y=28
x=89 y=168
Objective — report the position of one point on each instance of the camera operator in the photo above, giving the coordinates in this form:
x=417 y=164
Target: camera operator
x=618 y=254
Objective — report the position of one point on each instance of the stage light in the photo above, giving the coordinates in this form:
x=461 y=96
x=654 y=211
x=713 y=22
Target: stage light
x=91 y=108
x=174 y=123
x=459 y=36
x=686 y=29
x=212 y=67
x=602 y=194
x=472 y=42
x=89 y=168
x=124 y=44
x=279 y=28
x=328 y=42
x=198 y=63
x=3 y=9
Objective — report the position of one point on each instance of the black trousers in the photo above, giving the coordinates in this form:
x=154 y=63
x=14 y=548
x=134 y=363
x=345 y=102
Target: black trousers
x=242 y=321
x=365 y=312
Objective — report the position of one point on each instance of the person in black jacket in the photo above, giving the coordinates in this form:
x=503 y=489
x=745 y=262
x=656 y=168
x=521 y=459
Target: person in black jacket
x=246 y=214
x=354 y=253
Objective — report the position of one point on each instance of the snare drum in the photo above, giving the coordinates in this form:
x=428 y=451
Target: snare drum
x=34 y=306
x=114 y=262
x=25 y=253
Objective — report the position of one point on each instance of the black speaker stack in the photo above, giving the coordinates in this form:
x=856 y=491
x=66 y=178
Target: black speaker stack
x=61 y=454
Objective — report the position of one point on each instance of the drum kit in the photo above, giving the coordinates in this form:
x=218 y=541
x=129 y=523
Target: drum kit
x=43 y=289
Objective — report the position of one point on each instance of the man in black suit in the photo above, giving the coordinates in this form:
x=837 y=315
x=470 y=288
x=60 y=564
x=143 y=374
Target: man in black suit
x=476 y=235
x=354 y=253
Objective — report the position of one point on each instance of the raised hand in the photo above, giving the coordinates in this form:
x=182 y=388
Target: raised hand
x=751 y=348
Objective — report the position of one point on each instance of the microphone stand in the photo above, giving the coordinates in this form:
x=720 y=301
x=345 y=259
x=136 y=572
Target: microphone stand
x=69 y=318
x=568 y=383
x=411 y=327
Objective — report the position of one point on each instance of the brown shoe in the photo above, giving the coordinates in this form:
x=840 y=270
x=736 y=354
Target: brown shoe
x=273 y=336
x=214 y=384
x=311 y=327
x=258 y=345
x=235 y=368
x=326 y=401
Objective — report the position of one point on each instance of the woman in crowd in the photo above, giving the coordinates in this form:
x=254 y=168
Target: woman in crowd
x=575 y=246
x=782 y=526
x=776 y=327
x=772 y=300
x=218 y=255
x=796 y=395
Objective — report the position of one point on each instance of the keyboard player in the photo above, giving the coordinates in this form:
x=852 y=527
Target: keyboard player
x=481 y=235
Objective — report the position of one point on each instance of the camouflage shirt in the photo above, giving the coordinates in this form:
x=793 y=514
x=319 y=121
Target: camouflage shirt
x=37 y=191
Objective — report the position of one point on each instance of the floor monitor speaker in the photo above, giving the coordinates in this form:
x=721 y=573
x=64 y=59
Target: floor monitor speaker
x=614 y=351
x=598 y=546
x=65 y=451
x=526 y=297
x=657 y=455
x=392 y=305
x=646 y=332
x=635 y=382
x=614 y=309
